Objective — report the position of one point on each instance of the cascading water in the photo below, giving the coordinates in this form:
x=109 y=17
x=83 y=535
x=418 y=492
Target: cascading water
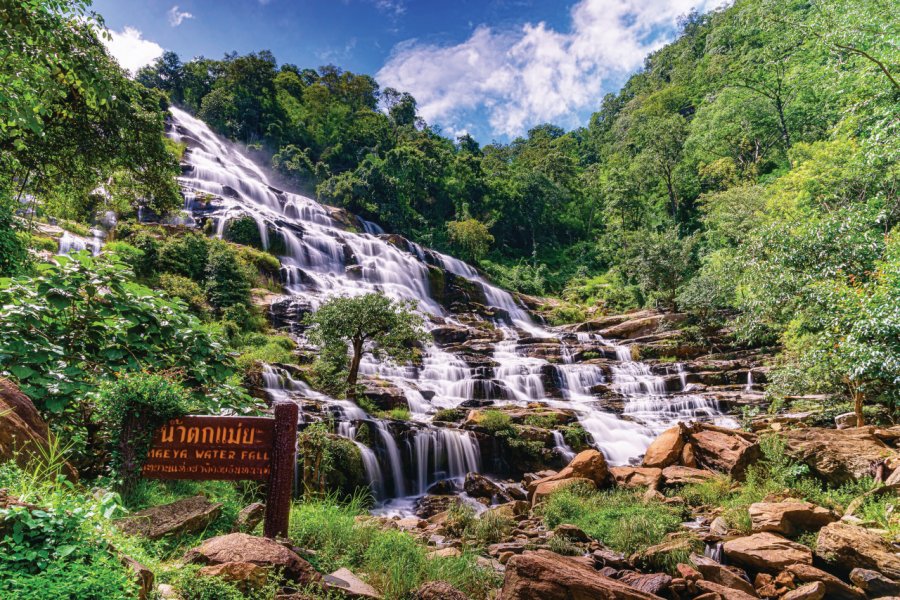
x=322 y=257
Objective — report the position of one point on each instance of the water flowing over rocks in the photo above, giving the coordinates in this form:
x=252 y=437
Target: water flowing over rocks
x=564 y=388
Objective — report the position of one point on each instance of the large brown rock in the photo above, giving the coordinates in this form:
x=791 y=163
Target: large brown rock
x=837 y=456
x=834 y=587
x=845 y=547
x=545 y=488
x=350 y=585
x=246 y=576
x=241 y=547
x=766 y=552
x=188 y=515
x=874 y=583
x=544 y=575
x=23 y=434
x=676 y=475
x=722 y=591
x=636 y=477
x=666 y=448
x=588 y=464
x=730 y=577
x=439 y=590
x=814 y=590
x=789 y=517
x=725 y=450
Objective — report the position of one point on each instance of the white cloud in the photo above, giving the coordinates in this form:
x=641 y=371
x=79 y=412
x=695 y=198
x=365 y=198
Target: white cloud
x=177 y=17
x=533 y=74
x=394 y=7
x=131 y=49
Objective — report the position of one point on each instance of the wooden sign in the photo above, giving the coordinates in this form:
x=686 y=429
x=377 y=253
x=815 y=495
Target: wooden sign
x=232 y=448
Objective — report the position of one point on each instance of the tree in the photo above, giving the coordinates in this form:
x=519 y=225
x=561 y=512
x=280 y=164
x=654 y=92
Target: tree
x=660 y=262
x=369 y=323
x=471 y=237
x=13 y=252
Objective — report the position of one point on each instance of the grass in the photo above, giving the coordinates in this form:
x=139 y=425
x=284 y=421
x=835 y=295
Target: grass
x=392 y=561
x=495 y=421
x=450 y=415
x=618 y=518
x=257 y=348
x=397 y=414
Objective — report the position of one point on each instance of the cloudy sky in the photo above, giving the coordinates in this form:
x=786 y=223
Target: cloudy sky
x=492 y=68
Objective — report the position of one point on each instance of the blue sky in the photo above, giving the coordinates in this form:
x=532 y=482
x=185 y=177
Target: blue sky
x=492 y=68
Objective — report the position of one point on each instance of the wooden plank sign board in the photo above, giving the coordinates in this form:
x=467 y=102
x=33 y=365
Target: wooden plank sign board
x=212 y=448
x=232 y=448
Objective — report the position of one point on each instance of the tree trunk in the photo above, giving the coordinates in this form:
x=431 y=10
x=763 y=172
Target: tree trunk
x=354 y=369
x=779 y=106
x=858 y=406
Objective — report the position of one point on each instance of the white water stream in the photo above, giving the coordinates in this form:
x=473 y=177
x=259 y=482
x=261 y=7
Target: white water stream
x=323 y=258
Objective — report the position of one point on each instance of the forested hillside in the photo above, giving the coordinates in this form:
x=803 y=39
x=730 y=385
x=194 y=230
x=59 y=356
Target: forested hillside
x=751 y=167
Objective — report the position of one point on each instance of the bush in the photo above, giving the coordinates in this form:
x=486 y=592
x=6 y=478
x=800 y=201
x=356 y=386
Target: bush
x=243 y=230
x=495 y=421
x=227 y=280
x=449 y=415
x=125 y=253
x=13 y=250
x=185 y=255
x=130 y=410
x=178 y=286
x=59 y=550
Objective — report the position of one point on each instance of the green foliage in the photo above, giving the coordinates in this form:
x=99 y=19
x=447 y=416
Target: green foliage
x=186 y=290
x=495 y=421
x=59 y=548
x=243 y=231
x=470 y=237
x=620 y=518
x=130 y=410
x=84 y=319
x=191 y=586
x=450 y=415
x=227 y=281
x=13 y=250
x=369 y=323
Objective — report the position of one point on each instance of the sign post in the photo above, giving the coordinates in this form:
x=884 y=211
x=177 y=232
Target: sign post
x=232 y=448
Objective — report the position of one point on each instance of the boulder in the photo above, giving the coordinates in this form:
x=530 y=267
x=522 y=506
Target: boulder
x=142 y=576
x=834 y=587
x=652 y=583
x=249 y=517
x=479 y=486
x=349 y=585
x=837 y=456
x=766 y=552
x=874 y=583
x=845 y=547
x=730 y=577
x=666 y=448
x=571 y=532
x=663 y=552
x=588 y=464
x=814 y=590
x=635 y=477
x=845 y=420
x=789 y=517
x=23 y=434
x=241 y=547
x=439 y=590
x=546 y=488
x=721 y=591
x=676 y=475
x=543 y=575
x=188 y=515
x=246 y=576
x=724 y=450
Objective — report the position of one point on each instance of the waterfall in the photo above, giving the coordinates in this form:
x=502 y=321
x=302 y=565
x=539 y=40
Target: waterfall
x=561 y=447
x=327 y=253
x=70 y=242
x=749 y=387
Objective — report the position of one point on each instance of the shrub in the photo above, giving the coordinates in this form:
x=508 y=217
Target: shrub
x=471 y=237
x=60 y=549
x=495 y=421
x=149 y=263
x=125 y=253
x=243 y=230
x=490 y=528
x=85 y=319
x=449 y=415
x=227 y=281
x=185 y=255
x=130 y=410
x=178 y=286
x=13 y=251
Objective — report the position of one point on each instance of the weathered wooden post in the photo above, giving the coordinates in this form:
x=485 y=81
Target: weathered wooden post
x=281 y=472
